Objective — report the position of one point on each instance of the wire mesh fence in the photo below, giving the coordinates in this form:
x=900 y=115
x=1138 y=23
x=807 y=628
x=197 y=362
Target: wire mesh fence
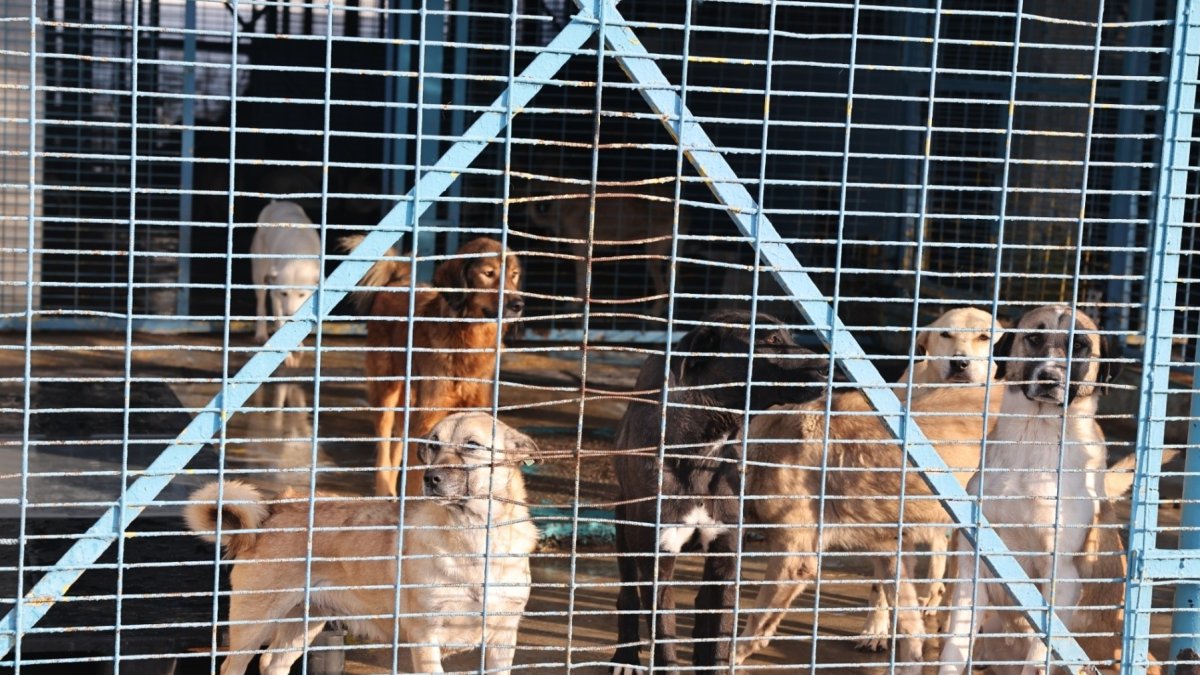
x=553 y=336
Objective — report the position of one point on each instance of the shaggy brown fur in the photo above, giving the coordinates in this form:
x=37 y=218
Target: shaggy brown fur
x=453 y=362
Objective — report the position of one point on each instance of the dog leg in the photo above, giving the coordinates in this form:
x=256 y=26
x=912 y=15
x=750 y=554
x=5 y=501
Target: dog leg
x=288 y=644
x=660 y=618
x=260 y=304
x=1064 y=600
x=936 y=590
x=910 y=626
x=427 y=659
x=877 y=627
x=252 y=620
x=786 y=578
x=385 y=424
x=714 y=605
x=963 y=618
x=629 y=603
x=501 y=648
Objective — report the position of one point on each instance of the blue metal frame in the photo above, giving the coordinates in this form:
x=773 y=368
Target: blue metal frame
x=1146 y=562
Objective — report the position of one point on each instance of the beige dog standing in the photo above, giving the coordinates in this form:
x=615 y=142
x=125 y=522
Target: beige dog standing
x=792 y=464
x=1043 y=484
x=953 y=350
x=477 y=503
x=622 y=220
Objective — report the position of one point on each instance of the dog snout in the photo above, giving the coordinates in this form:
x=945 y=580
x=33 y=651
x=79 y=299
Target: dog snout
x=1048 y=383
x=433 y=482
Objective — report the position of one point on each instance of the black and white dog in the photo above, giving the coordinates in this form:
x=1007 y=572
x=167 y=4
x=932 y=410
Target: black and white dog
x=700 y=483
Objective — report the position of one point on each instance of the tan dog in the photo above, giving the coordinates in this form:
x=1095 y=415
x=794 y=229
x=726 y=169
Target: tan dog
x=861 y=485
x=622 y=219
x=477 y=504
x=453 y=361
x=1043 y=484
x=954 y=349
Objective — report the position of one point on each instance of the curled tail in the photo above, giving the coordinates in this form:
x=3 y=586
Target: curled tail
x=387 y=271
x=241 y=509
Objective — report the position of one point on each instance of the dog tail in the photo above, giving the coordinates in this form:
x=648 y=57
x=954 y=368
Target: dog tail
x=241 y=509
x=1118 y=481
x=388 y=271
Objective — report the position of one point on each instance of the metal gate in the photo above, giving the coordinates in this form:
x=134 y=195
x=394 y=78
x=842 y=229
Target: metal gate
x=1123 y=152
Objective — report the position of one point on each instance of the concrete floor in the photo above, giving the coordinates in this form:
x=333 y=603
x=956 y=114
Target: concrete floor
x=570 y=618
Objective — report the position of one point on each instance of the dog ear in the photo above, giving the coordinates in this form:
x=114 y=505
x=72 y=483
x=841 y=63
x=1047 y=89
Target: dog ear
x=520 y=446
x=699 y=339
x=1000 y=353
x=922 y=346
x=452 y=275
x=1112 y=347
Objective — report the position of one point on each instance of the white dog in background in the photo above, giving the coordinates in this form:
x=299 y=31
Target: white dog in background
x=286 y=250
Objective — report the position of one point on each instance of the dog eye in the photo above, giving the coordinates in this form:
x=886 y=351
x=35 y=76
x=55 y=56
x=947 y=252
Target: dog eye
x=1081 y=345
x=774 y=340
x=985 y=337
x=945 y=334
x=1033 y=340
x=489 y=273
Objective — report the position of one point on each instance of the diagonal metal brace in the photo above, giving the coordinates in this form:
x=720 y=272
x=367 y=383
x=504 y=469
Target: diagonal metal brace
x=724 y=183
x=93 y=543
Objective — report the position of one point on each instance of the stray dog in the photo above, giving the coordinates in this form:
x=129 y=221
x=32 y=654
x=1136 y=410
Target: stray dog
x=286 y=250
x=794 y=469
x=1043 y=485
x=453 y=362
x=477 y=505
x=700 y=481
x=955 y=349
x=621 y=220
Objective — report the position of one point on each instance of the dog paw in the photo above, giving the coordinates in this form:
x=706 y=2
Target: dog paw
x=933 y=601
x=875 y=633
x=260 y=337
x=292 y=361
x=872 y=643
x=625 y=663
x=747 y=649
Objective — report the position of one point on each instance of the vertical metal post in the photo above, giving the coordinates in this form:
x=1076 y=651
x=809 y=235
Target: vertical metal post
x=1123 y=209
x=1161 y=284
x=1185 y=622
x=188 y=154
x=458 y=116
x=429 y=97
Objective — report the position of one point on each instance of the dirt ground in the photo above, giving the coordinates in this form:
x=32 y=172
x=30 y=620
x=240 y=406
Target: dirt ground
x=570 y=619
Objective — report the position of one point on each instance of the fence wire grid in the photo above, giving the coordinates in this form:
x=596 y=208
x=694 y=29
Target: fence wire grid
x=380 y=336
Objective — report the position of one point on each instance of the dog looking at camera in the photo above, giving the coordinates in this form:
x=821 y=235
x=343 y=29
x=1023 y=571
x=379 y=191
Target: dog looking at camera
x=954 y=350
x=476 y=508
x=453 y=361
x=700 y=478
x=1043 y=485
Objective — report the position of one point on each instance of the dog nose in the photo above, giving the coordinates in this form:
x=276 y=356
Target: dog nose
x=959 y=365
x=432 y=479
